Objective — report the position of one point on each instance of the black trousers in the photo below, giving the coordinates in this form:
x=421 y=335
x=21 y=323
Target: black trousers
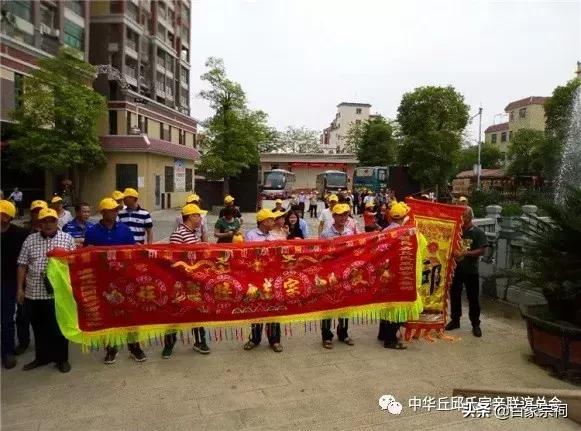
x=342 y=327
x=313 y=210
x=7 y=328
x=22 y=326
x=388 y=331
x=272 y=333
x=199 y=337
x=471 y=282
x=49 y=343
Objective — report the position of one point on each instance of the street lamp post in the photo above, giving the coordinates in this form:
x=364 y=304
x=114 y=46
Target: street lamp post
x=479 y=147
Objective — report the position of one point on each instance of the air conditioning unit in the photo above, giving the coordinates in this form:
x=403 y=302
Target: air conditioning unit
x=44 y=29
x=55 y=32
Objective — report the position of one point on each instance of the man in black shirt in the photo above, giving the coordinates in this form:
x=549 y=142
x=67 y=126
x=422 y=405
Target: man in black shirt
x=11 y=239
x=474 y=243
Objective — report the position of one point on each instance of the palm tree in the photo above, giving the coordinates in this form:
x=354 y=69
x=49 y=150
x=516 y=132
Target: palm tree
x=552 y=257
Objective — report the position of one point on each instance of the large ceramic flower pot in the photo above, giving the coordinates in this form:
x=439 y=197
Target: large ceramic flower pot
x=553 y=342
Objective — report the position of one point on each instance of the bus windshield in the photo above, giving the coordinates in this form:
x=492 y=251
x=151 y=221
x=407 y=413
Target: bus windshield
x=274 y=180
x=337 y=179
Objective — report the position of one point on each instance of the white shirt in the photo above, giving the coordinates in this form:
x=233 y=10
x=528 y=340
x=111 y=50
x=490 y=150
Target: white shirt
x=64 y=218
x=327 y=218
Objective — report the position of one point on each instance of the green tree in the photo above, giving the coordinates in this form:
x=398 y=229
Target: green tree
x=297 y=140
x=234 y=133
x=525 y=152
x=490 y=157
x=57 y=118
x=373 y=142
x=431 y=121
x=558 y=113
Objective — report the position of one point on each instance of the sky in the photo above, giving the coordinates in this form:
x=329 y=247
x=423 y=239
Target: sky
x=297 y=59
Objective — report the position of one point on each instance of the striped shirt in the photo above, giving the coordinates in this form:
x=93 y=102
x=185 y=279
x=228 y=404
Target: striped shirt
x=184 y=235
x=138 y=220
x=33 y=256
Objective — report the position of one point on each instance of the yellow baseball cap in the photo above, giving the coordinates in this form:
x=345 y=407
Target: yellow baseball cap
x=130 y=193
x=47 y=213
x=279 y=214
x=228 y=199
x=56 y=199
x=398 y=210
x=190 y=209
x=38 y=204
x=463 y=199
x=264 y=214
x=341 y=209
x=370 y=204
x=333 y=198
x=117 y=195
x=278 y=201
x=8 y=208
x=192 y=198
x=108 y=204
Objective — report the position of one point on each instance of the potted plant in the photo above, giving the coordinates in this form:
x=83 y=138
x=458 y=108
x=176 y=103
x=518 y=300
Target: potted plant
x=552 y=263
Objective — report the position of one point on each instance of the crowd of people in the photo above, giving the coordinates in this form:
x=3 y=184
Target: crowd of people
x=27 y=294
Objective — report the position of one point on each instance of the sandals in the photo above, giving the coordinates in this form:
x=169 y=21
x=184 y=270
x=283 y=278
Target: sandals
x=328 y=344
x=249 y=345
x=348 y=341
x=276 y=347
x=395 y=346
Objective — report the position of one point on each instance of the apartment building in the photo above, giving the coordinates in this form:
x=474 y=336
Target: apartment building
x=333 y=139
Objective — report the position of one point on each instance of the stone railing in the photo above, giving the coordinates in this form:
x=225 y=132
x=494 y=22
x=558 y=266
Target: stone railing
x=507 y=237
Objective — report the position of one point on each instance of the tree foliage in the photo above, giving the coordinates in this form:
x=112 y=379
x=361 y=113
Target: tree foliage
x=234 y=132
x=373 y=142
x=431 y=120
x=294 y=140
x=490 y=157
x=526 y=152
x=57 y=116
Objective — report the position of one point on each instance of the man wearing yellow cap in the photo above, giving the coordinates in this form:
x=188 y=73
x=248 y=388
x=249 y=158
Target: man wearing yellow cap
x=278 y=205
x=109 y=231
x=118 y=197
x=202 y=229
x=11 y=239
x=339 y=228
x=326 y=217
x=398 y=216
x=229 y=203
x=35 y=206
x=188 y=232
x=265 y=223
x=64 y=216
x=36 y=293
x=463 y=200
x=137 y=218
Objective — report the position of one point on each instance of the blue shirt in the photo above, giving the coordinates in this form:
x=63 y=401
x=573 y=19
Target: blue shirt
x=74 y=228
x=304 y=227
x=119 y=234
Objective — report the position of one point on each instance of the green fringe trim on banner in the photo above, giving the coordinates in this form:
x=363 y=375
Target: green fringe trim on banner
x=67 y=315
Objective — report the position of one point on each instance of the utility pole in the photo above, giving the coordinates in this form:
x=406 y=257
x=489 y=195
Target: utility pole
x=479 y=168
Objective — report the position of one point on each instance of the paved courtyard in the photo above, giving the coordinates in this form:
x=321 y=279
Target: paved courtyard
x=303 y=388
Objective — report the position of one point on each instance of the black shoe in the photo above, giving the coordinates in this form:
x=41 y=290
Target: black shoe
x=111 y=356
x=138 y=354
x=34 y=364
x=9 y=362
x=20 y=349
x=452 y=325
x=202 y=348
x=476 y=331
x=64 y=367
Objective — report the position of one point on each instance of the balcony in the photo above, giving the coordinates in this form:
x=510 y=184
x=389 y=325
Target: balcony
x=160 y=89
x=131 y=48
x=160 y=65
x=131 y=75
x=184 y=101
x=169 y=92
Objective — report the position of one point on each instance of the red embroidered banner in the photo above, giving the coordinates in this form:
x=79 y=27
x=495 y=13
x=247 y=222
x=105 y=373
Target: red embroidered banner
x=116 y=291
x=441 y=227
